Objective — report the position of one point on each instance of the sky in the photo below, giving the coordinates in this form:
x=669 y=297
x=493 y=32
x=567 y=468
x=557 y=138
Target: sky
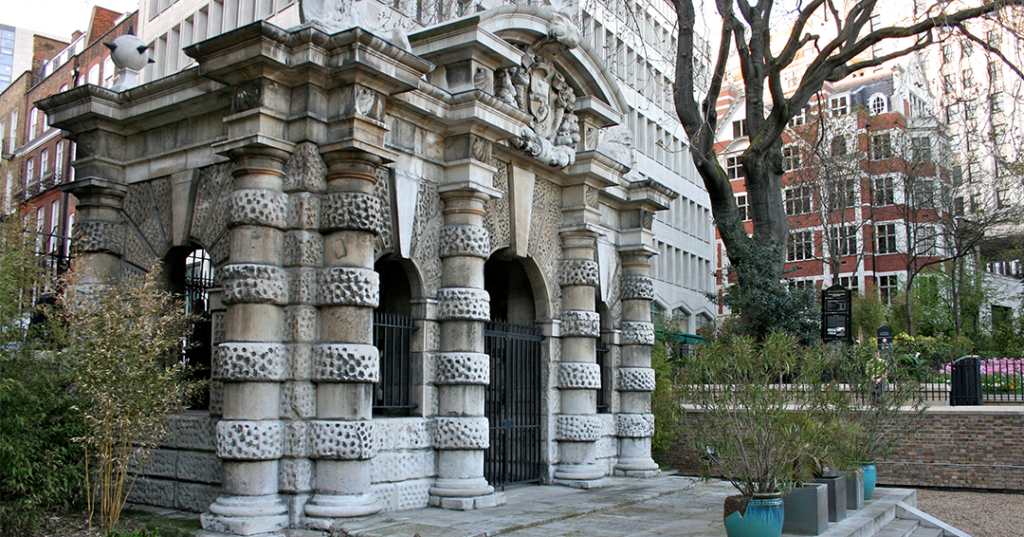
x=57 y=18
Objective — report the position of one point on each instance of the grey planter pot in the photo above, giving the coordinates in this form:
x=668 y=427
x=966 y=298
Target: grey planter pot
x=806 y=509
x=836 y=497
x=854 y=489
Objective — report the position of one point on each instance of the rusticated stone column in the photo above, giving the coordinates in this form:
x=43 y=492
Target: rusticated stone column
x=634 y=378
x=578 y=427
x=463 y=370
x=345 y=362
x=98 y=241
x=251 y=362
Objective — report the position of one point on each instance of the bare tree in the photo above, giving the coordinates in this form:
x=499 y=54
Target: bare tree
x=747 y=29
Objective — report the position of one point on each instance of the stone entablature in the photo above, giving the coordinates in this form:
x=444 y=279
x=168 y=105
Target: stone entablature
x=311 y=156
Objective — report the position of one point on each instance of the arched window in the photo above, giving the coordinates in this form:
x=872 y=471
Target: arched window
x=878 y=104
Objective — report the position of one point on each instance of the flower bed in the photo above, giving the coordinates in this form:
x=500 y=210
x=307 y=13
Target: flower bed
x=998 y=375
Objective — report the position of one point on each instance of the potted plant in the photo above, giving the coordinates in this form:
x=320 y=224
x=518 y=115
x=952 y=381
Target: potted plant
x=748 y=412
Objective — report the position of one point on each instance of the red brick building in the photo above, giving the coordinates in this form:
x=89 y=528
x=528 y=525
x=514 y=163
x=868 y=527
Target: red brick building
x=866 y=185
x=40 y=159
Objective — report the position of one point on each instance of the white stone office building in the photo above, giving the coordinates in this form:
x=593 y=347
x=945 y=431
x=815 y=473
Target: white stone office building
x=433 y=264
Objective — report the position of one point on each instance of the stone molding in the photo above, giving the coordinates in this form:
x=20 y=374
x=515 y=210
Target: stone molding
x=463 y=303
x=356 y=211
x=634 y=425
x=578 y=323
x=258 y=207
x=254 y=284
x=579 y=272
x=579 y=376
x=241 y=361
x=635 y=379
x=342 y=440
x=637 y=288
x=637 y=333
x=346 y=362
x=250 y=440
x=300 y=324
x=463 y=368
x=98 y=236
x=465 y=240
x=304 y=211
x=578 y=428
x=461 y=433
x=302 y=285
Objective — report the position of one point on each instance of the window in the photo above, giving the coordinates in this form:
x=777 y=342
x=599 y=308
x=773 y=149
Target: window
x=924 y=194
x=850 y=282
x=804 y=286
x=790 y=158
x=799 y=119
x=734 y=167
x=842 y=194
x=94 y=75
x=876 y=22
x=885 y=239
x=949 y=84
x=30 y=172
x=995 y=70
x=838 y=146
x=922 y=149
x=1002 y=198
x=958 y=175
x=58 y=162
x=888 y=286
x=798 y=200
x=966 y=48
x=743 y=207
x=44 y=163
x=878 y=105
x=947 y=54
x=884 y=193
x=843 y=241
x=993 y=38
x=953 y=114
x=739 y=128
x=800 y=246
x=970 y=109
x=927 y=242
x=958 y=206
x=968 y=75
x=840 y=106
x=881 y=146
x=995 y=103
x=33 y=121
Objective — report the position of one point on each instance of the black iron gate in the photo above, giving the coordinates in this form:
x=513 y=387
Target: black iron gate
x=513 y=404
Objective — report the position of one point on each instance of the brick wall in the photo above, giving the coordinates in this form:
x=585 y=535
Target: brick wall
x=961 y=447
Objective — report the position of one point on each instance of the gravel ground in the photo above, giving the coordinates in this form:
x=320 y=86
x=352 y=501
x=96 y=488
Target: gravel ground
x=980 y=514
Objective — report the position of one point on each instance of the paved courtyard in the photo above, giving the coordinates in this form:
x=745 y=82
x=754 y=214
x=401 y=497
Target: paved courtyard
x=672 y=505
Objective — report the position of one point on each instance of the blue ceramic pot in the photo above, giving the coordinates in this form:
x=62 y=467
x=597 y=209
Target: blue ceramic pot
x=870 y=477
x=763 y=518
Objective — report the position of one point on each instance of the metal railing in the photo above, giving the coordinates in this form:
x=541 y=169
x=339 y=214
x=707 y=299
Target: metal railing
x=512 y=404
x=603 y=401
x=392 y=335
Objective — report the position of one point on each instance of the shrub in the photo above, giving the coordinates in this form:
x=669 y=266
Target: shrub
x=125 y=347
x=41 y=466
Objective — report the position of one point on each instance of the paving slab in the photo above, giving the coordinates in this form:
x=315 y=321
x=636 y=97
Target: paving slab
x=662 y=506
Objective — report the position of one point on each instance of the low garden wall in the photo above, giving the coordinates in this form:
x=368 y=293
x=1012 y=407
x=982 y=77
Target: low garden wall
x=956 y=447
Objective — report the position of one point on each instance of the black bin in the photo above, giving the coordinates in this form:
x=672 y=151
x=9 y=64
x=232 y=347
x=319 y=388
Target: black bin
x=965 y=382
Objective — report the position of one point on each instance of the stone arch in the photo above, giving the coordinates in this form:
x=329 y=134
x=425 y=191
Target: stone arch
x=587 y=74
x=534 y=275
x=409 y=269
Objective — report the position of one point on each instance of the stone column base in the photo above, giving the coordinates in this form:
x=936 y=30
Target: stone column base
x=582 y=484
x=637 y=467
x=493 y=499
x=579 y=472
x=322 y=509
x=246 y=515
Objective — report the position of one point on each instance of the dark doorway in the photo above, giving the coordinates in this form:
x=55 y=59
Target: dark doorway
x=191 y=276
x=393 y=327
x=513 y=398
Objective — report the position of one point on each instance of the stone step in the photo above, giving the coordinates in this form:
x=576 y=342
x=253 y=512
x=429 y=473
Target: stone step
x=927 y=532
x=898 y=528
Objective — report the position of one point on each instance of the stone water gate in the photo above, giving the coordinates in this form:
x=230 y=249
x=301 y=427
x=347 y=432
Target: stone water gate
x=473 y=172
